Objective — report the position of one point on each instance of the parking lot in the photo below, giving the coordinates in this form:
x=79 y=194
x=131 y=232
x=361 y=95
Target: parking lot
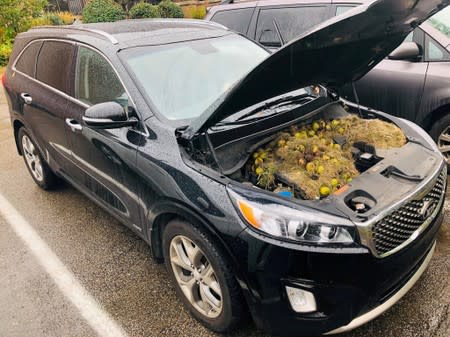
x=114 y=268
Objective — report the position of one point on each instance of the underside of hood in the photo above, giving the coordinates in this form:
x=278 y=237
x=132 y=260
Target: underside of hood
x=339 y=51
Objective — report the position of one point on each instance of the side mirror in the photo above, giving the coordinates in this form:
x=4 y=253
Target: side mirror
x=107 y=115
x=406 y=51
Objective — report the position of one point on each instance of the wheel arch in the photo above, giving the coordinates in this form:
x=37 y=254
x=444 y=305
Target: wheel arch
x=162 y=214
x=17 y=124
x=434 y=116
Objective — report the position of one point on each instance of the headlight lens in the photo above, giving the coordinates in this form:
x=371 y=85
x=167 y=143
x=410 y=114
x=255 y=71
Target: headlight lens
x=299 y=225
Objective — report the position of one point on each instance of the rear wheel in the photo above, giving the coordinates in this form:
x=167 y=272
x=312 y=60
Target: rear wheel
x=203 y=280
x=440 y=132
x=38 y=168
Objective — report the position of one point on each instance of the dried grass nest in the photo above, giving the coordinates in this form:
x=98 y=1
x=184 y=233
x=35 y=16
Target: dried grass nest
x=310 y=158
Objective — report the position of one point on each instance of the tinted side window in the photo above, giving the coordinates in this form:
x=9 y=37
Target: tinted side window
x=54 y=66
x=236 y=19
x=96 y=81
x=27 y=61
x=292 y=22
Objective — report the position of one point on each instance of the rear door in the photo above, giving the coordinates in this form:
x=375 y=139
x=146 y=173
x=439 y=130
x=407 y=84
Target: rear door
x=103 y=161
x=44 y=92
x=283 y=23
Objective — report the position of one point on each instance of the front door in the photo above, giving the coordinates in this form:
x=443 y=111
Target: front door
x=103 y=161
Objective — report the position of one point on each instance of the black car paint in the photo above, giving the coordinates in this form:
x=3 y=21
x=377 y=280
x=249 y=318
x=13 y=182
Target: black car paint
x=142 y=176
x=346 y=285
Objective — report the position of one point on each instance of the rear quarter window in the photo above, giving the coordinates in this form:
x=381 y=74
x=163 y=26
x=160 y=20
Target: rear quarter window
x=54 y=65
x=235 y=19
x=26 y=63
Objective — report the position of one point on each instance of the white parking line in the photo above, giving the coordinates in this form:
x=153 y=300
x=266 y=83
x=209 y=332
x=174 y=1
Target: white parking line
x=99 y=320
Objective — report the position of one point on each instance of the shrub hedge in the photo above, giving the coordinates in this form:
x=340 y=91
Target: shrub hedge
x=102 y=11
x=144 y=10
x=168 y=9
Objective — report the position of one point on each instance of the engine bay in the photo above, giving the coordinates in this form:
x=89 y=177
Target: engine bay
x=313 y=160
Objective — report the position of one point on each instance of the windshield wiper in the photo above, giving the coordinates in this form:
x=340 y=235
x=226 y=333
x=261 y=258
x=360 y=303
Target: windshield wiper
x=274 y=105
x=267 y=110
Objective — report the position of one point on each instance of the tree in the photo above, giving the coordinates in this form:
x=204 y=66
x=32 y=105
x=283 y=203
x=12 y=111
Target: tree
x=15 y=16
x=168 y=9
x=144 y=10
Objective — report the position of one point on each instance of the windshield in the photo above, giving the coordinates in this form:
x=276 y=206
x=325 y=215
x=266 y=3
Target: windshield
x=183 y=79
x=441 y=21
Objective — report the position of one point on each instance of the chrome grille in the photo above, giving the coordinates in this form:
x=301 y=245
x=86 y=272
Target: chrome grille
x=396 y=228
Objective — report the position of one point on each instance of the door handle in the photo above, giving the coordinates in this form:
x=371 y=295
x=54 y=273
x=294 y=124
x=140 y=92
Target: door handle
x=26 y=98
x=74 y=125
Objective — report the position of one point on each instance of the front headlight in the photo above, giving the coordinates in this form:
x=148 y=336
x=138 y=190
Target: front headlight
x=307 y=226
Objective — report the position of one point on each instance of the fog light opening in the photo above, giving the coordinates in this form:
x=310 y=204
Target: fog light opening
x=301 y=300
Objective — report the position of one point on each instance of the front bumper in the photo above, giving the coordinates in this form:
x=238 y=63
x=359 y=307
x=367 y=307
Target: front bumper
x=375 y=312
x=350 y=289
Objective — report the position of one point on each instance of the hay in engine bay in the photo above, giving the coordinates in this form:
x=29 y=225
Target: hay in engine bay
x=317 y=158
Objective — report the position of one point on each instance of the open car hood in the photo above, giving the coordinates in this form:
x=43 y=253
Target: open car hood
x=339 y=51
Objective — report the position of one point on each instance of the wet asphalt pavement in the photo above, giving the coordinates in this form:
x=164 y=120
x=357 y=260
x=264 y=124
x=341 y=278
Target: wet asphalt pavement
x=115 y=268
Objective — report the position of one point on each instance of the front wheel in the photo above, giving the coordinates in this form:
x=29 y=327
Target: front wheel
x=38 y=168
x=203 y=279
x=440 y=132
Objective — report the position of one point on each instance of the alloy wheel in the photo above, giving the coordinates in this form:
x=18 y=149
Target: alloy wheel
x=32 y=158
x=196 y=276
x=444 y=143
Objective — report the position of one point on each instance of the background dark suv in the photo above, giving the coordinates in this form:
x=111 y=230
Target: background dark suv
x=413 y=83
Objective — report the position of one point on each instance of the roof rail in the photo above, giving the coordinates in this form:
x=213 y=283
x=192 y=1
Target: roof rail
x=108 y=36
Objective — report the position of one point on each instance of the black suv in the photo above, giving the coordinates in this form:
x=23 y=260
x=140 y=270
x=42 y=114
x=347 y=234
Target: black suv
x=413 y=82
x=159 y=121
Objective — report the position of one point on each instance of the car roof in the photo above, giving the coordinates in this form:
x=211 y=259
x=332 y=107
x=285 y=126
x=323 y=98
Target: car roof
x=130 y=33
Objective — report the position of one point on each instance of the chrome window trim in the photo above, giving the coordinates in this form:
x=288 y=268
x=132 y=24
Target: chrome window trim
x=45 y=85
x=75 y=43
x=13 y=67
x=146 y=133
x=113 y=68
x=63 y=94
x=365 y=228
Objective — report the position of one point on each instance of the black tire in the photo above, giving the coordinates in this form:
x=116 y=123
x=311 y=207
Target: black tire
x=48 y=179
x=438 y=128
x=232 y=301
